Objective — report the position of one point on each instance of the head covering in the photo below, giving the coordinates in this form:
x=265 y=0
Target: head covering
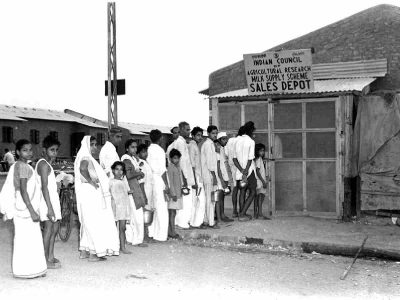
x=85 y=154
x=221 y=135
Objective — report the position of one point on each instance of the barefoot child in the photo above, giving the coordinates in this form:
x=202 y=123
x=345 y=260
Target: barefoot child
x=119 y=190
x=19 y=200
x=50 y=211
x=261 y=181
x=175 y=184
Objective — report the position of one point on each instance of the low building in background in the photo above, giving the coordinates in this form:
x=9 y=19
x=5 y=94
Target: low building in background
x=68 y=126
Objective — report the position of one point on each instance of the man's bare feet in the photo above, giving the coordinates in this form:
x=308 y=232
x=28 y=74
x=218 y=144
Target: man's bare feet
x=124 y=251
x=262 y=217
x=95 y=258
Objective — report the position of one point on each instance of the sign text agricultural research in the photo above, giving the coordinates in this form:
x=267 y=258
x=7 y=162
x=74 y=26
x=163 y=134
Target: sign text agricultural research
x=279 y=72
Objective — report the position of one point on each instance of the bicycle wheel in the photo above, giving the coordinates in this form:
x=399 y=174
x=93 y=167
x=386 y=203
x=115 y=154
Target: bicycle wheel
x=65 y=224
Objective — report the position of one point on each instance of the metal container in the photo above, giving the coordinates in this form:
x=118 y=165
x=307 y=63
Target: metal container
x=185 y=191
x=243 y=184
x=148 y=216
x=227 y=191
x=218 y=194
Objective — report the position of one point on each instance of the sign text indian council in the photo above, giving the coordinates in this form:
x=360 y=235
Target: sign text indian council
x=279 y=72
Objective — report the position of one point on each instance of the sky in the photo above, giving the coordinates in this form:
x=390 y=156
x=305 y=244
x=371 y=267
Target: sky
x=54 y=53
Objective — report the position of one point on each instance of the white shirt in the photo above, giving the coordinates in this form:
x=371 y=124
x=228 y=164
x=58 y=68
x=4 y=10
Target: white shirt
x=194 y=153
x=244 y=151
x=156 y=160
x=185 y=163
x=223 y=164
x=8 y=157
x=108 y=155
x=230 y=148
x=208 y=159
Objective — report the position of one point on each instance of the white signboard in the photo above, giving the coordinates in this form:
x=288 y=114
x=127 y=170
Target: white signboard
x=279 y=72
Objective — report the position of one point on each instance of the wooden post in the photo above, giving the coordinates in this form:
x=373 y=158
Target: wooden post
x=304 y=163
x=214 y=112
x=348 y=152
x=271 y=155
x=339 y=154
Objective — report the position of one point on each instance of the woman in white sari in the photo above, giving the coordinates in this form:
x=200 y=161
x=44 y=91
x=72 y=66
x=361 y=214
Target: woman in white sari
x=20 y=200
x=98 y=234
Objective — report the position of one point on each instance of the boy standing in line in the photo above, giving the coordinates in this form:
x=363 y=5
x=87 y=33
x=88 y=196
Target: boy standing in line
x=208 y=158
x=50 y=210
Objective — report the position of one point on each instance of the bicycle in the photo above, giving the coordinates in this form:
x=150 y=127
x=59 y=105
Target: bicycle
x=68 y=205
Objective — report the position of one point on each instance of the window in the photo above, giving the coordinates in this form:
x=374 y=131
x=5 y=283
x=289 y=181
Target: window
x=147 y=143
x=35 y=136
x=101 y=138
x=229 y=117
x=54 y=134
x=8 y=135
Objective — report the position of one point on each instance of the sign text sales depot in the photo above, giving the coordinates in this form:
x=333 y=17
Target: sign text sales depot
x=279 y=72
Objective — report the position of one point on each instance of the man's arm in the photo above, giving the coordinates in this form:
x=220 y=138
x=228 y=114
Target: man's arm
x=221 y=177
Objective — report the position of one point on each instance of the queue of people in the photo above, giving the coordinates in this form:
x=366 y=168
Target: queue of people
x=184 y=187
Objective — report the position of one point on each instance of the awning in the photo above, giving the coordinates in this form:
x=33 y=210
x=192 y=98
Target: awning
x=320 y=86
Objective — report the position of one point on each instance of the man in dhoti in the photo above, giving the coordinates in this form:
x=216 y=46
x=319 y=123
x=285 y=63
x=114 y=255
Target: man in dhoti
x=183 y=215
x=198 y=194
x=208 y=159
x=108 y=153
x=156 y=159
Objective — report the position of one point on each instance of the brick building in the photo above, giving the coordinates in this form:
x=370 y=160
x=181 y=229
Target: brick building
x=313 y=138
x=68 y=126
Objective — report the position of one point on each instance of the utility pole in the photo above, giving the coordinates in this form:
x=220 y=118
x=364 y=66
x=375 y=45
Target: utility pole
x=112 y=67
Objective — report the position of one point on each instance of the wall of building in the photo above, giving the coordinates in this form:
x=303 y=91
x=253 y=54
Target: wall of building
x=370 y=34
x=21 y=130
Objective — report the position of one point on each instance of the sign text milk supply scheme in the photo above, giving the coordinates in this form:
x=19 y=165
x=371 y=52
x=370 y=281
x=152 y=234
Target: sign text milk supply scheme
x=279 y=72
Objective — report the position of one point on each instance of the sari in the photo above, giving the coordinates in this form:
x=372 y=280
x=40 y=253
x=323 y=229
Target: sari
x=98 y=234
x=28 y=260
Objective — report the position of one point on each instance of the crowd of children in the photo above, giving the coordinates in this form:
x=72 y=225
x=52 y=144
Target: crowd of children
x=184 y=187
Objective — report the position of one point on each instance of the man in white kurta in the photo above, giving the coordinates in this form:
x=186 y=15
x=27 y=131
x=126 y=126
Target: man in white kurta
x=108 y=153
x=244 y=162
x=183 y=215
x=229 y=151
x=198 y=195
x=156 y=159
x=208 y=159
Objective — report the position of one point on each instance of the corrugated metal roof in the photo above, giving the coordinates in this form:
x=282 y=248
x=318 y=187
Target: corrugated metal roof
x=143 y=128
x=5 y=116
x=350 y=69
x=42 y=114
x=320 y=86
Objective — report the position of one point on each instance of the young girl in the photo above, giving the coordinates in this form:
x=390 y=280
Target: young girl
x=20 y=200
x=50 y=210
x=175 y=184
x=119 y=190
x=262 y=181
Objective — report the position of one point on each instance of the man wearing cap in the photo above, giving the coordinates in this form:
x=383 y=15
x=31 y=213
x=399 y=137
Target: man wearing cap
x=222 y=139
x=108 y=154
x=183 y=215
